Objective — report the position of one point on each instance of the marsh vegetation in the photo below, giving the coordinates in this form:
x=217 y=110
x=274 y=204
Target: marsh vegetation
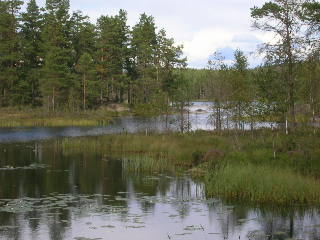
x=106 y=130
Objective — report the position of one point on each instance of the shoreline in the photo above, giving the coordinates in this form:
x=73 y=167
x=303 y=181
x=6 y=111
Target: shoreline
x=38 y=117
x=242 y=169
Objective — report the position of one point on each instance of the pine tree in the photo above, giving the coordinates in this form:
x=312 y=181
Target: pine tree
x=56 y=79
x=167 y=58
x=310 y=14
x=10 y=55
x=240 y=85
x=218 y=87
x=32 y=22
x=82 y=35
x=112 y=53
x=86 y=68
x=281 y=18
x=144 y=45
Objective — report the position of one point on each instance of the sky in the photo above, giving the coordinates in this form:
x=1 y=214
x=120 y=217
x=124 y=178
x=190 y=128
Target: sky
x=202 y=26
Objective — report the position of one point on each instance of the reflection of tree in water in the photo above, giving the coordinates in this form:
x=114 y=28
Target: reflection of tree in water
x=87 y=177
x=275 y=223
x=184 y=190
x=78 y=173
x=34 y=220
x=225 y=217
x=12 y=220
x=289 y=223
x=142 y=184
x=58 y=221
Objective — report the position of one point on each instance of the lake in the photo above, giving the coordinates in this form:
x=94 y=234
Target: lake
x=199 y=119
x=48 y=193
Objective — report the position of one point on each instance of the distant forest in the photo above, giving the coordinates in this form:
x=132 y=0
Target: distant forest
x=59 y=60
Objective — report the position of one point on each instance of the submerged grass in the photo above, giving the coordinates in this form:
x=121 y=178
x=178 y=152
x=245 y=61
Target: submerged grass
x=260 y=167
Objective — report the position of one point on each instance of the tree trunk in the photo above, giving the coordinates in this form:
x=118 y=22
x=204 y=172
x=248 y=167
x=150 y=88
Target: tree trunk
x=53 y=99
x=84 y=92
x=181 y=118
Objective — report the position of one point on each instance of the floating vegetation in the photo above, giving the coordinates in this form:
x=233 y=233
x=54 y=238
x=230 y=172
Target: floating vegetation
x=246 y=220
x=194 y=228
x=84 y=238
x=108 y=226
x=8 y=227
x=31 y=166
x=182 y=234
x=256 y=235
x=121 y=199
x=135 y=226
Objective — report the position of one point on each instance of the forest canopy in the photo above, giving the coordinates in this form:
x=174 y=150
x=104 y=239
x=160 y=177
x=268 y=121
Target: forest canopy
x=58 y=60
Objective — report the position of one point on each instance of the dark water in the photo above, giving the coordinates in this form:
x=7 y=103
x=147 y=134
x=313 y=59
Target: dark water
x=48 y=193
x=198 y=120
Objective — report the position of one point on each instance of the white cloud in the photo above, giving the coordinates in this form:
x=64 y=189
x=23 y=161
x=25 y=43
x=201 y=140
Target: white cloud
x=204 y=43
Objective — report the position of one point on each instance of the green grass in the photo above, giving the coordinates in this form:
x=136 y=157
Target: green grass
x=147 y=164
x=263 y=185
x=40 y=117
x=178 y=149
x=259 y=167
x=52 y=122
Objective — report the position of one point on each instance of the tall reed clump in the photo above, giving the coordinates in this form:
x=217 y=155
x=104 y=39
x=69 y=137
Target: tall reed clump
x=261 y=168
x=263 y=184
x=178 y=149
x=146 y=164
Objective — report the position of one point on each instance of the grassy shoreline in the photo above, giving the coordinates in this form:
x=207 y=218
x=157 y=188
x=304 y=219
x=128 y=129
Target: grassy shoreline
x=260 y=167
x=40 y=117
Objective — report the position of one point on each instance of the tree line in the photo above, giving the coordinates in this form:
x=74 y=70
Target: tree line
x=50 y=57
x=285 y=87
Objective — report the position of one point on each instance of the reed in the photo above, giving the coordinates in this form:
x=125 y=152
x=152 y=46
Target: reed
x=260 y=167
x=263 y=185
x=146 y=164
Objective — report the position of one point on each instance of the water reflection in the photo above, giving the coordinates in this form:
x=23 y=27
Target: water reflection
x=199 y=119
x=89 y=196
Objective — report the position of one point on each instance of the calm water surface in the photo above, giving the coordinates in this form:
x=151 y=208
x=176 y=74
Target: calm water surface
x=48 y=193
x=199 y=119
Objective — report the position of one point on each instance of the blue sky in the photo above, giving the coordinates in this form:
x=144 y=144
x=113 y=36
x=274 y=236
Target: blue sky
x=202 y=26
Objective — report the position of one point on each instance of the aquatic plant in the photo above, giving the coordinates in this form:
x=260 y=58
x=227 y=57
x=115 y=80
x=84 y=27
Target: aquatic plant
x=259 y=166
x=263 y=184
